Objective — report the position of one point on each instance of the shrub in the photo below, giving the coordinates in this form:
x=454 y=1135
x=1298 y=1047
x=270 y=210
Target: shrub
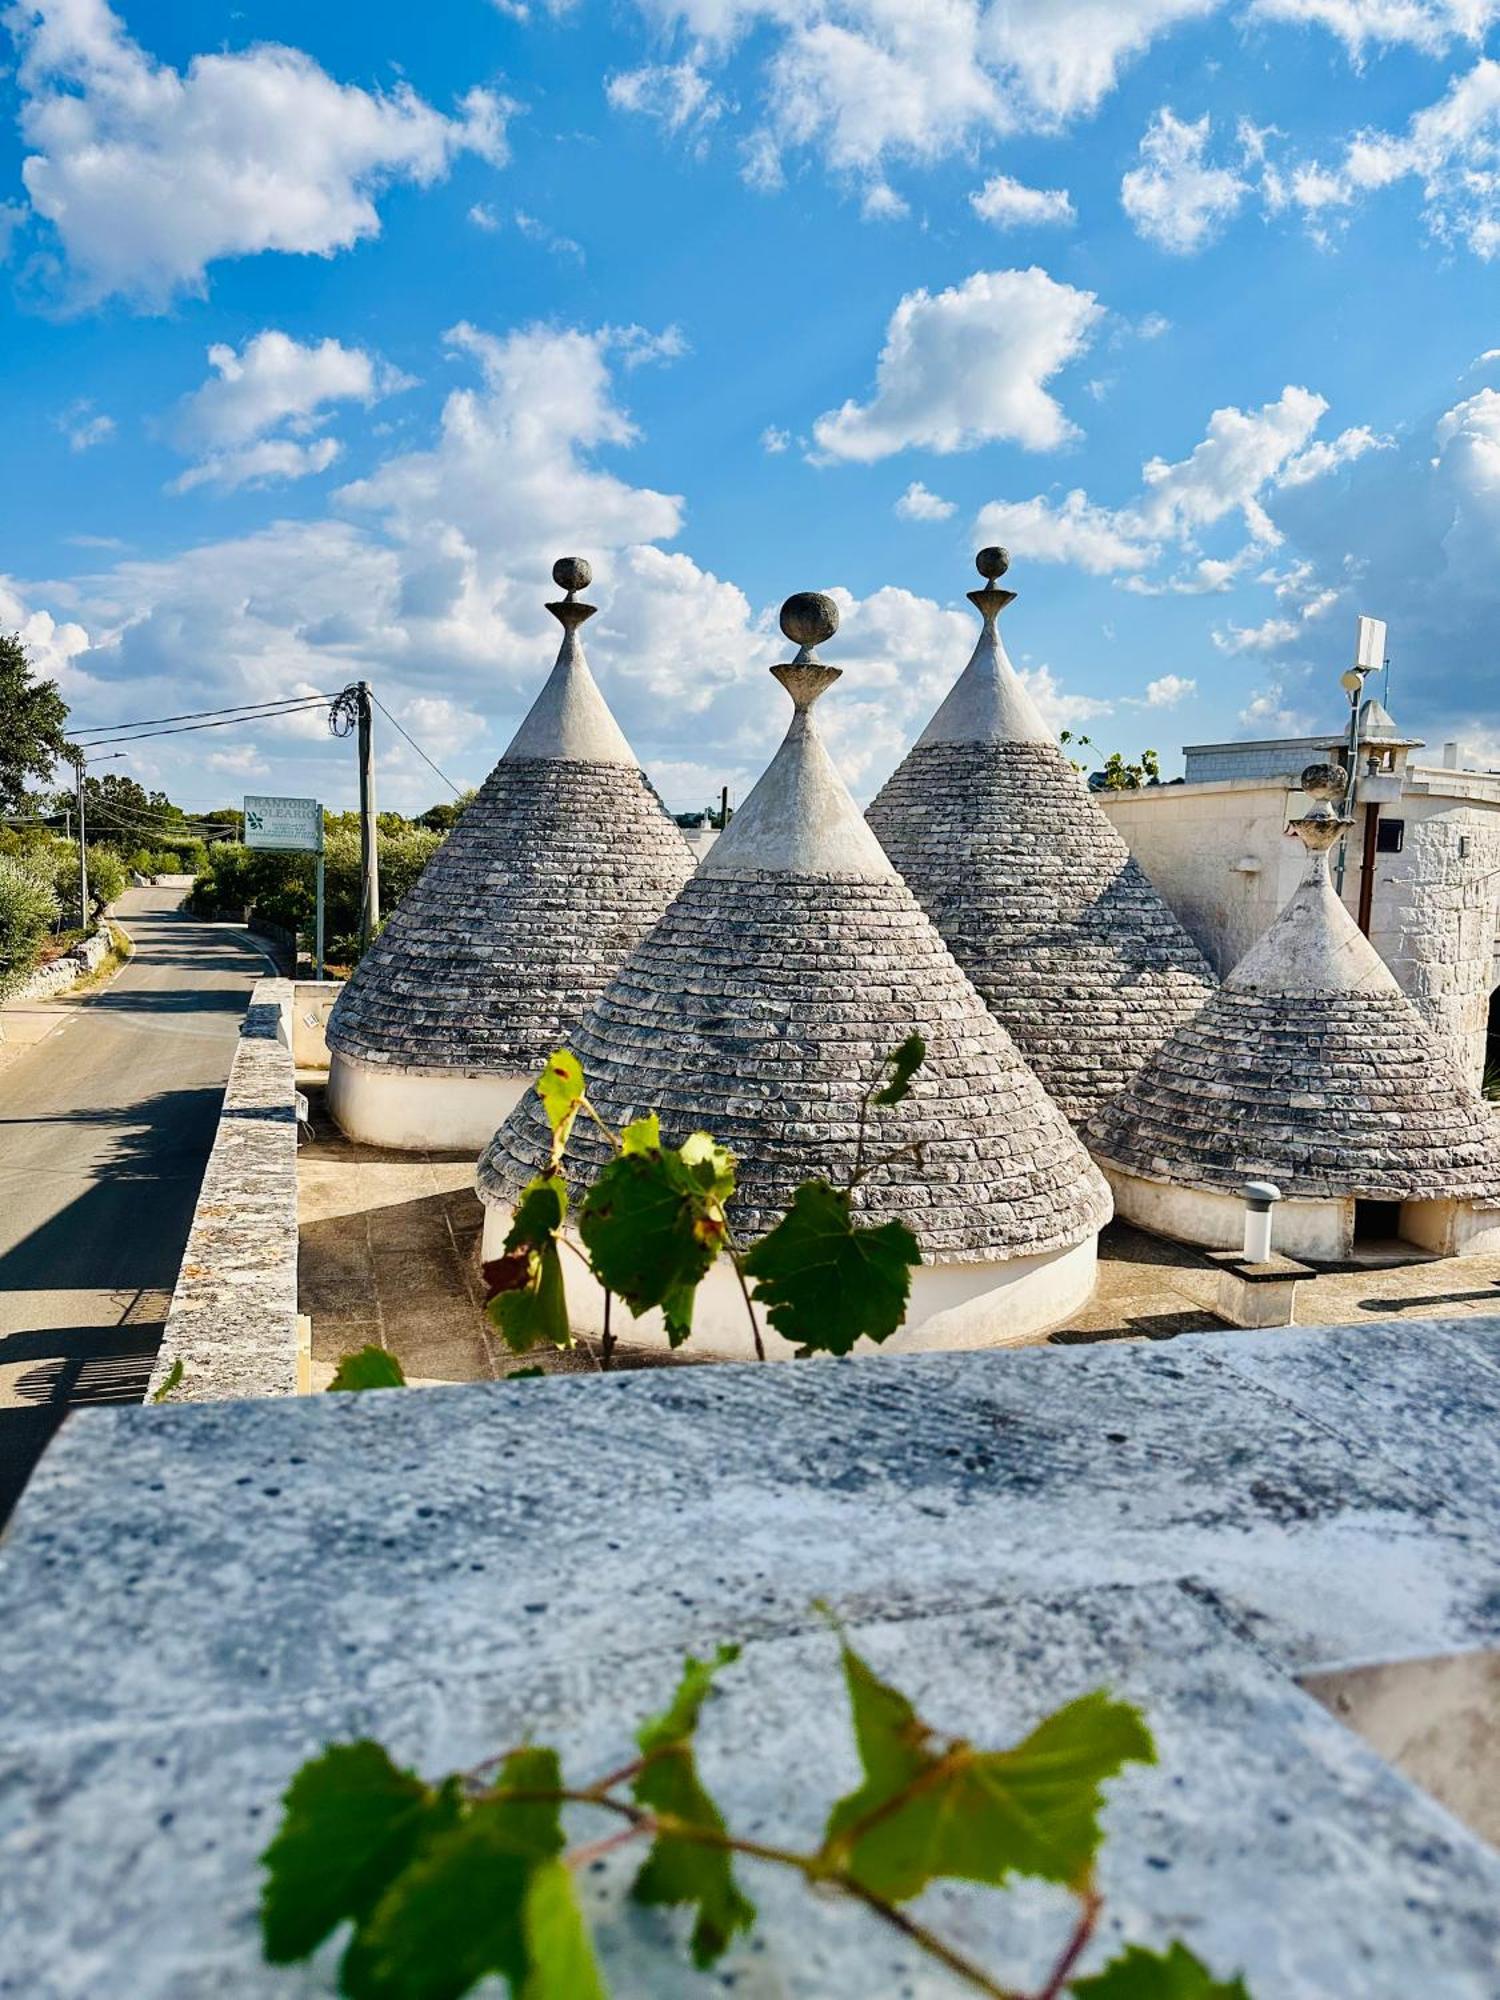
x=282 y=887
x=107 y=876
x=28 y=909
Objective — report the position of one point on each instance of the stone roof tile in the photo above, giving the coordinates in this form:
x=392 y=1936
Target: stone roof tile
x=1032 y=888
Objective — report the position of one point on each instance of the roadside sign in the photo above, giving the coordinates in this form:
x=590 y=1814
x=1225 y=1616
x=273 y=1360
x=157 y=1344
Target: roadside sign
x=293 y=826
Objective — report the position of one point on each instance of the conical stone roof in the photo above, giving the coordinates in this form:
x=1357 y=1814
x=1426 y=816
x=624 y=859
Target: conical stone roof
x=1309 y=1067
x=1034 y=891
x=760 y=1007
x=550 y=878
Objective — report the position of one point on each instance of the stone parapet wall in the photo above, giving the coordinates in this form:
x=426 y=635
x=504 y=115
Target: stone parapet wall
x=87 y=956
x=233 y=1318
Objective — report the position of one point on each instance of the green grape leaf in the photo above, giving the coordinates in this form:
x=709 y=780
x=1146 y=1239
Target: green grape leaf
x=537 y=1314
x=642 y=1135
x=371 y=1368
x=458 y=1911
x=930 y=1809
x=652 y=1228
x=1174 y=1974
x=351 y=1822
x=558 y=1945
x=561 y=1089
x=710 y=1164
x=903 y=1064
x=824 y=1280
x=679 y=1870
x=526 y=1296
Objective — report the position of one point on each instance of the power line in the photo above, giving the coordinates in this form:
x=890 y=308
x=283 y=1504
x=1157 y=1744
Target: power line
x=223 y=722
x=104 y=730
x=457 y=793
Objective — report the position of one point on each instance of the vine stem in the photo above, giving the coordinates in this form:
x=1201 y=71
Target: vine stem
x=810 y=1866
x=580 y=1857
x=607 y=1345
x=739 y=1272
x=1072 y=1951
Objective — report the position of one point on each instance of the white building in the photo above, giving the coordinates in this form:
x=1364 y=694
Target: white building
x=1421 y=870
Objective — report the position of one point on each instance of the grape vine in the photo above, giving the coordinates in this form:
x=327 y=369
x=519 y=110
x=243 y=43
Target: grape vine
x=448 y=1882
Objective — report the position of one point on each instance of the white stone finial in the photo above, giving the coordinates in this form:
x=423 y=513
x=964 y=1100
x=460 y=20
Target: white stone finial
x=988 y=703
x=799 y=819
x=570 y=718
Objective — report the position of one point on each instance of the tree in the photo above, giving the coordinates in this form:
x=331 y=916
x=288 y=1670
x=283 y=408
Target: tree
x=33 y=716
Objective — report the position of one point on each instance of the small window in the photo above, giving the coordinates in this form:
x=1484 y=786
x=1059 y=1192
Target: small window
x=1390 y=836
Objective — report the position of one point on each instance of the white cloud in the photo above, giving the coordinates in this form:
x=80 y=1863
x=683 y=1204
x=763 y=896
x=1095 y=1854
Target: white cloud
x=536 y=231
x=1095 y=539
x=1010 y=204
x=639 y=347
x=774 y=440
x=862 y=83
x=967 y=366
x=1267 y=637
x=881 y=203
x=917 y=504
x=269 y=461
x=1243 y=454
x=1242 y=451
x=148 y=174
x=273 y=380
x=1429 y=25
x=1326 y=456
x=483 y=216
x=1067 y=55
x=677 y=95
x=1175 y=197
x=84 y=426
x=1169 y=690
x=1451 y=147
x=1268 y=713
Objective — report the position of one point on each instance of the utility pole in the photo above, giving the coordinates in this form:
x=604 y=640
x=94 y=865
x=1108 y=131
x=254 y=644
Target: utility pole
x=83 y=853
x=369 y=833
x=723 y=808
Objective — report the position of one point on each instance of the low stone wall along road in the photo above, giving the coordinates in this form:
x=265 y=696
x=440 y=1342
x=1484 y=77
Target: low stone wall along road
x=107 y=1115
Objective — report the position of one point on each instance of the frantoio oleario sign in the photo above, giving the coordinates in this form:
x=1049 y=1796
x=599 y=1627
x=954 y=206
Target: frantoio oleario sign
x=291 y=825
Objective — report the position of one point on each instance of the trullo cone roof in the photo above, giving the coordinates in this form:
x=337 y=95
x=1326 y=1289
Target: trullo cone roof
x=1034 y=891
x=552 y=875
x=1310 y=1068
x=759 y=1009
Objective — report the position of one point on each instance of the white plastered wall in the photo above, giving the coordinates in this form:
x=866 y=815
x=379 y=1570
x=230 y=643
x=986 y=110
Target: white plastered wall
x=953 y=1306
x=411 y=1113
x=1321 y=1231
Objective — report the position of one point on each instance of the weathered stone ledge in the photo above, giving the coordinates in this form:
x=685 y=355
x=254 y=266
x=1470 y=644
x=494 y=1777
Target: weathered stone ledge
x=49 y=980
x=233 y=1319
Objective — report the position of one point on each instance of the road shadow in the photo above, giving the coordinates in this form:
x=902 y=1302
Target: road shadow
x=65 y=1368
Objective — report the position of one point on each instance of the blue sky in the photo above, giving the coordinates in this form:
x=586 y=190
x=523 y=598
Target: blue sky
x=326 y=328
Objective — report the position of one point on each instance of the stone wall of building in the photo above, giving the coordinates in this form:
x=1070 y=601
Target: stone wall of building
x=1433 y=915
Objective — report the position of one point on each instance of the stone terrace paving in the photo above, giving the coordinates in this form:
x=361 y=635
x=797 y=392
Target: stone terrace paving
x=196 y=1599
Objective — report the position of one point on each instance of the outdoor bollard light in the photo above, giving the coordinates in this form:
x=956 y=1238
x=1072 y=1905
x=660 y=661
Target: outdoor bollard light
x=1260 y=1197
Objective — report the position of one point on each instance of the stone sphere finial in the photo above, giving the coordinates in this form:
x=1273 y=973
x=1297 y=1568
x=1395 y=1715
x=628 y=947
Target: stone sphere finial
x=572 y=573
x=808 y=618
x=1325 y=781
x=992 y=563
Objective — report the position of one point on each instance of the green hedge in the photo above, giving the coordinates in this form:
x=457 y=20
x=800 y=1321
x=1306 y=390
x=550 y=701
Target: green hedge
x=282 y=887
x=28 y=910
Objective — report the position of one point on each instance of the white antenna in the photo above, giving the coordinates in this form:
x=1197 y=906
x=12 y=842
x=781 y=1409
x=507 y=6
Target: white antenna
x=1369 y=645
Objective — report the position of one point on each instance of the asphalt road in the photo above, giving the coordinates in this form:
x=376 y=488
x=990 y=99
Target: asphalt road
x=105 y=1126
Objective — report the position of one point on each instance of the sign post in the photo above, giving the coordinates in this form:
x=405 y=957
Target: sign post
x=290 y=826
